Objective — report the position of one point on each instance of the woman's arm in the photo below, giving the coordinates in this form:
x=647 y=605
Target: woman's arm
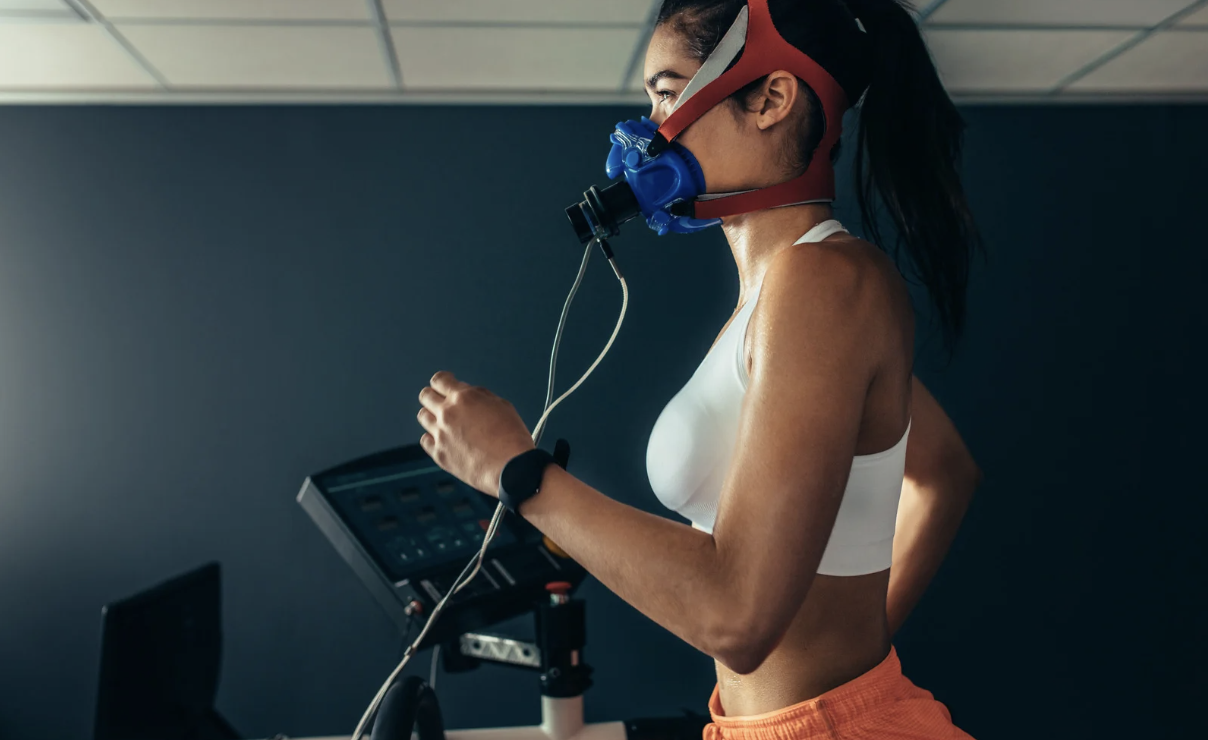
x=732 y=594
x=940 y=479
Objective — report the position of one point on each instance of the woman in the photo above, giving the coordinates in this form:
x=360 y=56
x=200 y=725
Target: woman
x=787 y=449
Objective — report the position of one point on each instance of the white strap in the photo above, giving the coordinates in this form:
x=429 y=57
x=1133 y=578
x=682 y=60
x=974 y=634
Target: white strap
x=727 y=49
x=821 y=231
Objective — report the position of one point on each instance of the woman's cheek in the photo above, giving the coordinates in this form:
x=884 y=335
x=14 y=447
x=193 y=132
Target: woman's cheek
x=698 y=142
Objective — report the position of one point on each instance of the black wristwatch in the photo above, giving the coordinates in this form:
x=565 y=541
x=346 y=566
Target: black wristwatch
x=521 y=477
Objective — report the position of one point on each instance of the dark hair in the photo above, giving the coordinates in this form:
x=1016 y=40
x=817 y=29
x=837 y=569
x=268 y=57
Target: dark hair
x=910 y=135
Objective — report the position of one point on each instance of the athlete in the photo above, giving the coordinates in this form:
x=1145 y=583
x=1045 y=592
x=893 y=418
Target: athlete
x=806 y=456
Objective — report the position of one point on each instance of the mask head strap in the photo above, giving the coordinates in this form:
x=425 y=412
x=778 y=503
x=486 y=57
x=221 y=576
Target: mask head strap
x=764 y=51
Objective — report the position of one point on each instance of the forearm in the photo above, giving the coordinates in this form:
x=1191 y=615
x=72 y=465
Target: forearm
x=666 y=570
x=928 y=519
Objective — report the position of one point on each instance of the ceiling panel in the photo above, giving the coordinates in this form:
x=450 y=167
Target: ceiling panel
x=1016 y=61
x=556 y=51
x=574 y=59
x=1059 y=12
x=519 y=11
x=235 y=9
x=1198 y=18
x=1165 y=62
x=65 y=57
x=32 y=5
x=270 y=57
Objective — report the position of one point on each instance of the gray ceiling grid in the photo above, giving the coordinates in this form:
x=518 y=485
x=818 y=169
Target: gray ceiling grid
x=544 y=51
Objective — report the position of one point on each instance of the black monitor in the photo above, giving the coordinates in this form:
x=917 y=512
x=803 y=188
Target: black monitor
x=161 y=651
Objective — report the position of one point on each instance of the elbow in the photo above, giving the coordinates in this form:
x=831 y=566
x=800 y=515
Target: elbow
x=744 y=619
x=742 y=646
x=742 y=656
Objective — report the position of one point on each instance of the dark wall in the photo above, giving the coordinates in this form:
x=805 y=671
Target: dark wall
x=200 y=306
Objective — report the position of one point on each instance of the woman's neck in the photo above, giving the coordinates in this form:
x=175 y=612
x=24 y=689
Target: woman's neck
x=756 y=237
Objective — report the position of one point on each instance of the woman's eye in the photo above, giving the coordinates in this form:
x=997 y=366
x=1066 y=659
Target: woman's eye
x=664 y=95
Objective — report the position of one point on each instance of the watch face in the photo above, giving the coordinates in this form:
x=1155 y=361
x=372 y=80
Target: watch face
x=522 y=475
x=518 y=476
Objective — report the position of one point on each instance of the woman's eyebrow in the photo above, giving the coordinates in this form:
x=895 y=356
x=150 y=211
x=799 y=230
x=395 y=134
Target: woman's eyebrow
x=666 y=74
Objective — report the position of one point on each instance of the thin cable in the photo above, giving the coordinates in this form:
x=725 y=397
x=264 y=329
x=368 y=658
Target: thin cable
x=459 y=584
x=475 y=563
x=553 y=357
x=620 y=319
x=549 y=393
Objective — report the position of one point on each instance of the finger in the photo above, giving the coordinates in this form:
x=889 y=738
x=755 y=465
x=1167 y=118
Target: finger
x=445 y=383
x=430 y=398
x=427 y=420
x=428 y=443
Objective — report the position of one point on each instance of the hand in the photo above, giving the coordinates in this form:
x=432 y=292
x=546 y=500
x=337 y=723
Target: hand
x=471 y=432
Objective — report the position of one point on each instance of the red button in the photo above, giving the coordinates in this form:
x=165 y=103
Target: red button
x=562 y=588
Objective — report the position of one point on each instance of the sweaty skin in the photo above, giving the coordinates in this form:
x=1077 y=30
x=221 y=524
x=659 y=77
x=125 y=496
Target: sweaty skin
x=829 y=353
x=843 y=627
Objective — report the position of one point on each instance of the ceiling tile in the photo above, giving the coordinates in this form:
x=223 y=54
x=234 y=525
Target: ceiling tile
x=1016 y=61
x=32 y=5
x=35 y=11
x=582 y=59
x=1059 y=12
x=1170 y=61
x=519 y=11
x=235 y=9
x=274 y=57
x=1198 y=18
x=65 y=57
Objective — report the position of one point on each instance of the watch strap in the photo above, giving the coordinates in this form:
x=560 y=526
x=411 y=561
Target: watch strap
x=522 y=475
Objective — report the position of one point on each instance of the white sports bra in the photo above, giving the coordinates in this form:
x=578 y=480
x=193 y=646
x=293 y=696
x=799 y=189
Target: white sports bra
x=693 y=440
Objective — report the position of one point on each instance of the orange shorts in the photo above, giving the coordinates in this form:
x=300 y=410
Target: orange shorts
x=879 y=704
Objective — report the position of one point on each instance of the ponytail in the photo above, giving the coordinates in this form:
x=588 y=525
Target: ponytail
x=909 y=141
x=908 y=157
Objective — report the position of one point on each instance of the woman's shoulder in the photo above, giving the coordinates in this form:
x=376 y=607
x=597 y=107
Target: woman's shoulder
x=841 y=271
x=836 y=290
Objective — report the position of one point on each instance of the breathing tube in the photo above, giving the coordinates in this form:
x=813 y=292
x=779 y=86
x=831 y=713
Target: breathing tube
x=472 y=568
x=661 y=181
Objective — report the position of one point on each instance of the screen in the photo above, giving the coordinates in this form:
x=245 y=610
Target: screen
x=160 y=657
x=413 y=516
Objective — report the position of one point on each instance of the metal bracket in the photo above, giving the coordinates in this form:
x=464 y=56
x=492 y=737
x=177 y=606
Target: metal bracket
x=498 y=649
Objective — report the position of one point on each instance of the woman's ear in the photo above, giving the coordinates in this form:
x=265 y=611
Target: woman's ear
x=776 y=99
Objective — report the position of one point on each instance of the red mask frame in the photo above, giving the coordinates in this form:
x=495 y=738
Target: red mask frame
x=764 y=52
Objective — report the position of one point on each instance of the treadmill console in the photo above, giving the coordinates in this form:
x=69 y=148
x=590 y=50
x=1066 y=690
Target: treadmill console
x=408 y=528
